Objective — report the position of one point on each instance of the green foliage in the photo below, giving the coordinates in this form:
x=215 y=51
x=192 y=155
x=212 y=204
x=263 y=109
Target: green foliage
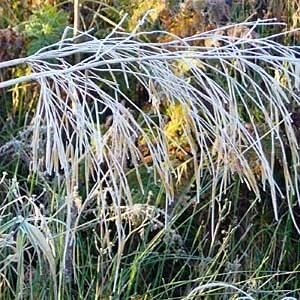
x=44 y=28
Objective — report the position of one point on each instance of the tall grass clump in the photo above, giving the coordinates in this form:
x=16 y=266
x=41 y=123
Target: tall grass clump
x=233 y=105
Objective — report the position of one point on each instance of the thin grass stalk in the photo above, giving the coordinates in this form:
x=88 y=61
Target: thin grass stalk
x=226 y=78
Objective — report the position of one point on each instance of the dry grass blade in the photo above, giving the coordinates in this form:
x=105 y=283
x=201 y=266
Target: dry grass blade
x=229 y=83
x=39 y=241
x=200 y=290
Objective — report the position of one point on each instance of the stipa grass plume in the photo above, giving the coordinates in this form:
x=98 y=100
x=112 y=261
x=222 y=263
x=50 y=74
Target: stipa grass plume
x=220 y=90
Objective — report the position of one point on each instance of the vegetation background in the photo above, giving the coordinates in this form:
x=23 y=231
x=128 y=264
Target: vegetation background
x=168 y=172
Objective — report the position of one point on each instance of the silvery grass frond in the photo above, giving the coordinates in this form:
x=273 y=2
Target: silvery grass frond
x=24 y=229
x=220 y=89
